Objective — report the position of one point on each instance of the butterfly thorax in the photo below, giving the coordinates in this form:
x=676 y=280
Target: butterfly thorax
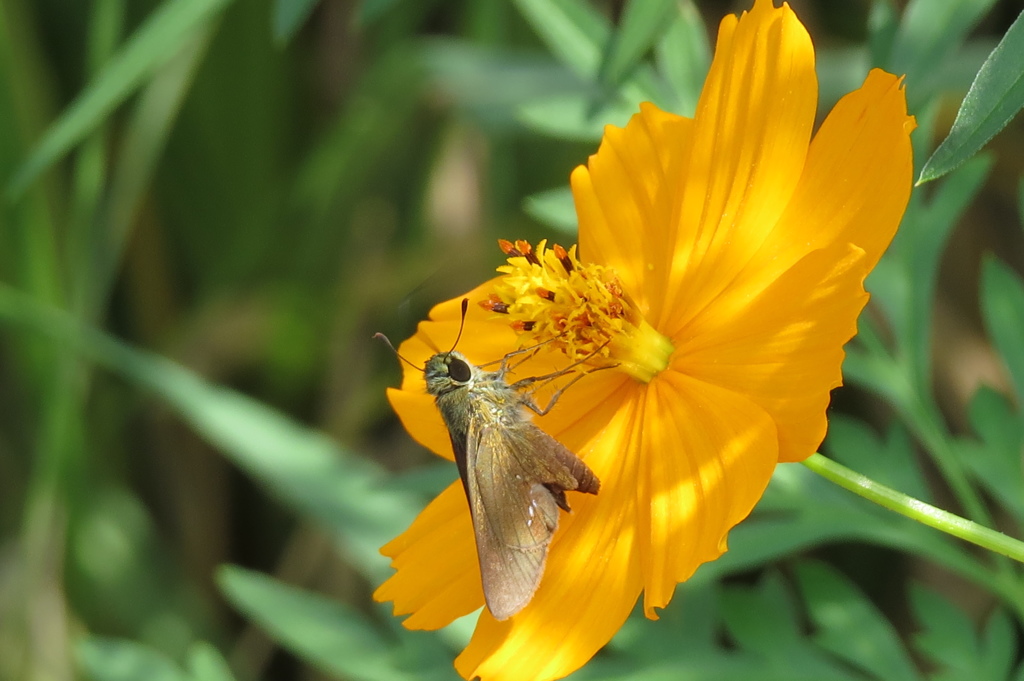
x=463 y=392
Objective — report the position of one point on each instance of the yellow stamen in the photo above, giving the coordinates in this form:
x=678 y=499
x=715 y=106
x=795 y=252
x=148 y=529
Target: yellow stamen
x=580 y=309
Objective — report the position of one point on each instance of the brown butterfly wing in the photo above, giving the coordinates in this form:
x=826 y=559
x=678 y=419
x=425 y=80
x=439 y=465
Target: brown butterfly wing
x=517 y=476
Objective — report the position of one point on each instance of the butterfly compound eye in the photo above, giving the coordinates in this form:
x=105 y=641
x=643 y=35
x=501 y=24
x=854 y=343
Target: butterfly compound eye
x=458 y=371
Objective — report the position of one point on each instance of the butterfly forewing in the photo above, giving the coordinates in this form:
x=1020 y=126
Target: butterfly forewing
x=517 y=476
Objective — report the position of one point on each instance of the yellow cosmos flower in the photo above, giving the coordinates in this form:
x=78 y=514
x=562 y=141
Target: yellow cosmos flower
x=720 y=269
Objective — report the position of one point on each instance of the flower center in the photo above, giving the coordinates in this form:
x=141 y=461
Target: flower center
x=580 y=309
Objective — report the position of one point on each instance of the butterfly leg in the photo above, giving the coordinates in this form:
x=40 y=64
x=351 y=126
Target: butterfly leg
x=532 y=406
x=518 y=385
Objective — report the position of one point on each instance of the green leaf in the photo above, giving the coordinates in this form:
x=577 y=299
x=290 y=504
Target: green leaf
x=947 y=637
x=108 y=659
x=889 y=461
x=904 y=281
x=205 y=663
x=330 y=635
x=303 y=467
x=684 y=56
x=840 y=71
x=371 y=10
x=999 y=645
x=929 y=237
x=995 y=460
x=1020 y=199
x=800 y=510
x=570 y=117
x=555 y=208
x=289 y=15
x=764 y=623
x=762 y=618
x=928 y=38
x=685 y=629
x=576 y=34
x=572 y=30
x=869 y=362
x=124 y=576
x=492 y=84
x=995 y=97
x=159 y=38
x=883 y=22
x=643 y=22
x=850 y=627
x=1002 y=305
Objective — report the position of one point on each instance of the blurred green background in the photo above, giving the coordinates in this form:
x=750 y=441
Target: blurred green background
x=251 y=190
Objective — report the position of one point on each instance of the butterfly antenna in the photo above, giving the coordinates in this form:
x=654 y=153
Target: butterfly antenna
x=387 y=341
x=462 y=323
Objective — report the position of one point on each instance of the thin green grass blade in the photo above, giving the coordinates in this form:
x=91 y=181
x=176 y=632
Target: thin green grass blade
x=144 y=139
x=995 y=97
x=28 y=241
x=89 y=177
x=161 y=37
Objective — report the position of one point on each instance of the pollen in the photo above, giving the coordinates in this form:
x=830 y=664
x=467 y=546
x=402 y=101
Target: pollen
x=550 y=297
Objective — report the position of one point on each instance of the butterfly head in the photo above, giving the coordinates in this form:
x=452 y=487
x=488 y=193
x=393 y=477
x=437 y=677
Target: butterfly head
x=447 y=371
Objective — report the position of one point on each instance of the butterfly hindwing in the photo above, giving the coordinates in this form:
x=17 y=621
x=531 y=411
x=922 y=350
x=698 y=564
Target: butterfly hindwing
x=516 y=478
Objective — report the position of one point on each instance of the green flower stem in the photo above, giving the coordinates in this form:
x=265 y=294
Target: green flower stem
x=915 y=509
x=895 y=378
x=932 y=432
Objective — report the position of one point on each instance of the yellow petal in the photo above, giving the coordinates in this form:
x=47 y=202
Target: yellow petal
x=627 y=197
x=438 y=576
x=592 y=578
x=783 y=347
x=854 y=188
x=419 y=416
x=857 y=181
x=751 y=131
x=708 y=455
